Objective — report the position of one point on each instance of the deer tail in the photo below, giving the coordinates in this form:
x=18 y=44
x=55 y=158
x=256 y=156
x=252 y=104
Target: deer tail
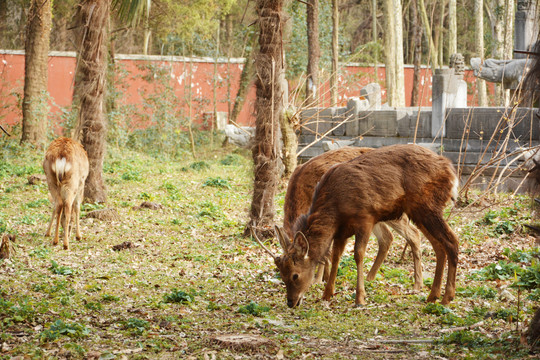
x=60 y=167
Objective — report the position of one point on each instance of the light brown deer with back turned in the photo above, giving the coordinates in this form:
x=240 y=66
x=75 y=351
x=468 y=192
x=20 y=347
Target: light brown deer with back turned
x=352 y=197
x=298 y=200
x=66 y=167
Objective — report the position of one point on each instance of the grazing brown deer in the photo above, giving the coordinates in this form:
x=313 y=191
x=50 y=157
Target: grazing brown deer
x=352 y=197
x=298 y=200
x=66 y=167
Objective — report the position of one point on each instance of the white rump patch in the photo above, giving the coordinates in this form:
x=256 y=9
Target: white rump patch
x=60 y=167
x=455 y=189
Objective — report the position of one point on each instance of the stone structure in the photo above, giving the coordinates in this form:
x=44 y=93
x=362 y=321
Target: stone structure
x=508 y=72
x=526 y=26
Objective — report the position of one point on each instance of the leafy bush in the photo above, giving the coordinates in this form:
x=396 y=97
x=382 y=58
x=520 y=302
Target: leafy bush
x=199 y=165
x=178 y=296
x=217 y=182
x=483 y=292
x=60 y=270
x=231 y=159
x=522 y=256
x=253 y=309
x=498 y=271
x=436 y=309
x=137 y=326
x=132 y=175
x=529 y=278
x=59 y=328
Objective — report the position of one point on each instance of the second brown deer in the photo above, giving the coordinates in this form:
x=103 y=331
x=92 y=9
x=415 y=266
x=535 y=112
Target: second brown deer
x=298 y=200
x=66 y=167
x=352 y=197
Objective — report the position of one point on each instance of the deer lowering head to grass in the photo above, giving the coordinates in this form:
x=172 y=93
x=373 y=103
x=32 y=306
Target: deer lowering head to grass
x=381 y=185
x=66 y=168
x=298 y=200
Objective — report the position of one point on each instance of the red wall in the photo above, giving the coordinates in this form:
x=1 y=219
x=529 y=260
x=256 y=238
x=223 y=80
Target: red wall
x=131 y=85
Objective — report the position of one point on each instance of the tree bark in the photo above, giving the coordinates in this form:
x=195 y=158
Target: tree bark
x=429 y=35
x=390 y=51
x=335 y=53
x=452 y=27
x=35 y=103
x=479 y=47
x=398 y=44
x=314 y=53
x=417 y=51
x=89 y=89
x=269 y=66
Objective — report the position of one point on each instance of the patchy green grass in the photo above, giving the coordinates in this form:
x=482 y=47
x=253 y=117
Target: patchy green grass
x=191 y=275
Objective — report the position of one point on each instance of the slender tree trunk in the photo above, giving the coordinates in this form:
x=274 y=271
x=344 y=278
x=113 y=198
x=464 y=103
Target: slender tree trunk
x=398 y=44
x=314 y=53
x=452 y=27
x=335 y=53
x=35 y=102
x=479 y=47
x=89 y=88
x=375 y=36
x=429 y=35
x=269 y=109
x=390 y=52
x=417 y=58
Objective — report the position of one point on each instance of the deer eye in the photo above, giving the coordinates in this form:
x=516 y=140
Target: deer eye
x=295 y=277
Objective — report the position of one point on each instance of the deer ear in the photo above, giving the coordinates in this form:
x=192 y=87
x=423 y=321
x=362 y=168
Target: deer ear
x=301 y=245
x=282 y=237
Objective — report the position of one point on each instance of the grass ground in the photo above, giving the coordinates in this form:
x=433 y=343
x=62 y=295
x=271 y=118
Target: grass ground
x=191 y=276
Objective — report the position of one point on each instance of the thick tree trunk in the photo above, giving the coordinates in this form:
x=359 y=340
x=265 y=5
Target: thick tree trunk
x=90 y=88
x=35 y=103
x=314 y=53
x=269 y=66
x=417 y=51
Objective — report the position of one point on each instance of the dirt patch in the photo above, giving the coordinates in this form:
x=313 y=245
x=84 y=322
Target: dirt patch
x=148 y=205
x=104 y=214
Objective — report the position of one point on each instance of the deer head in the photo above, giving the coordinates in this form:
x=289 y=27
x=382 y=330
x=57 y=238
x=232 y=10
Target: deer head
x=295 y=267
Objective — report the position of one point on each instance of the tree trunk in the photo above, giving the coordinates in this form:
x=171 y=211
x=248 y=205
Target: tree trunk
x=375 y=36
x=398 y=44
x=452 y=27
x=335 y=53
x=35 y=104
x=417 y=58
x=390 y=51
x=245 y=78
x=269 y=66
x=314 y=53
x=479 y=47
x=429 y=35
x=89 y=89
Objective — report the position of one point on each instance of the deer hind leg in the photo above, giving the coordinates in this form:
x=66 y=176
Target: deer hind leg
x=385 y=238
x=359 y=253
x=58 y=211
x=77 y=212
x=53 y=215
x=445 y=244
x=412 y=236
x=337 y=251
x=67 y=222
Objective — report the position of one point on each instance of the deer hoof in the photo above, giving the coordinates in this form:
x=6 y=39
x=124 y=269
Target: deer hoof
x=66 y=247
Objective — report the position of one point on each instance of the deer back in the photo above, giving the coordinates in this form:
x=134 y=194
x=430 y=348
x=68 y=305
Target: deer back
x=304 y=179
x=65 y=165
x=380 y=186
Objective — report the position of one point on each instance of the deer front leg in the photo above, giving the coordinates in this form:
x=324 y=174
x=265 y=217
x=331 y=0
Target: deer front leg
x=359 y=252
x=337 y=251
